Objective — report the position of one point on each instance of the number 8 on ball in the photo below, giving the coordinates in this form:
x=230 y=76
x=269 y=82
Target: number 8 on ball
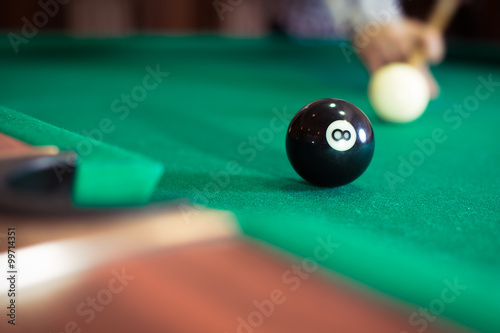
x=330 y=142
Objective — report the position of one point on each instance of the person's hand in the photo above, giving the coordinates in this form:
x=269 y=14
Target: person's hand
x=397 y=42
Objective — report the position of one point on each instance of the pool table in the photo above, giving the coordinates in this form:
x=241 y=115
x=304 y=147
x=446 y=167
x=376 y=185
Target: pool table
x=214 y=111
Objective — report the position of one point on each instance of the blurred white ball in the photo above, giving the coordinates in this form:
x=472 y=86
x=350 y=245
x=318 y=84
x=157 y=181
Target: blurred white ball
x=399 y=93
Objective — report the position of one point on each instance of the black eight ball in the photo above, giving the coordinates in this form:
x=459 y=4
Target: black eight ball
x=330 y=142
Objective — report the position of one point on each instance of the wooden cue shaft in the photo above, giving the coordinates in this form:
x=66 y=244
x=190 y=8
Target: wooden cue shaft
x=440 y=18
x=443 y=13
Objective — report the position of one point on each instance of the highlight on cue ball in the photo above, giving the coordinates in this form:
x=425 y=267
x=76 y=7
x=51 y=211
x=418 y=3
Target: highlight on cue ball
x=399 y=93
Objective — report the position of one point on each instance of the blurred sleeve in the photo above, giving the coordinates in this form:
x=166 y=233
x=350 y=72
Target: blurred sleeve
x=350 y=15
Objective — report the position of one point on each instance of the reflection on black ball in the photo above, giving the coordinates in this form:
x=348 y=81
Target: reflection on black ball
x=330 y=142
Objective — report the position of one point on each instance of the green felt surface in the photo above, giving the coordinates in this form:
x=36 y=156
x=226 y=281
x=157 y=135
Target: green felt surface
x=218 y=124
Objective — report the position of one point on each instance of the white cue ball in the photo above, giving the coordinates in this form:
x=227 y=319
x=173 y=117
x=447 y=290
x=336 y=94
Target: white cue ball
x=399 y=93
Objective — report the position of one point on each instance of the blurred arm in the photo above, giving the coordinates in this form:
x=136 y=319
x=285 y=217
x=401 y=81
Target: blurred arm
x=352 y=15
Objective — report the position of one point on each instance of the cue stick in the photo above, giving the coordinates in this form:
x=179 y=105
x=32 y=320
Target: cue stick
x=440 y=18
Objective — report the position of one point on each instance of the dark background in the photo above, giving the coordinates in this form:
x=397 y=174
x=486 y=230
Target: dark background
x=477 y=19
